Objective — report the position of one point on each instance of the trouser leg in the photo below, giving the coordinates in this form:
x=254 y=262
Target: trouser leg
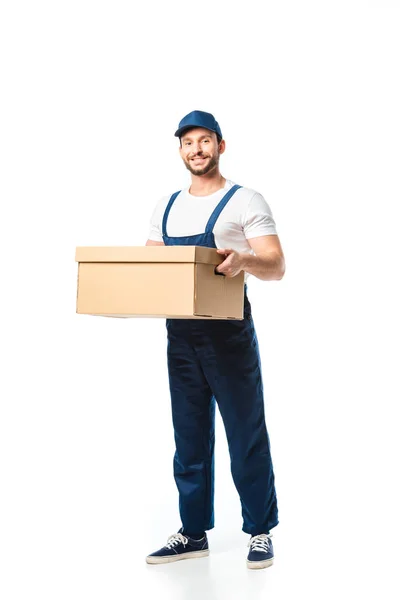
x=193 y=414
x=231 y=363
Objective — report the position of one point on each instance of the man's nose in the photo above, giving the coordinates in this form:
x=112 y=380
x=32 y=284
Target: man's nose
x=196 y=147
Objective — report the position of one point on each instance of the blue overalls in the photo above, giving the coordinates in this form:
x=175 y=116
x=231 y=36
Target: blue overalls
x=219 y=361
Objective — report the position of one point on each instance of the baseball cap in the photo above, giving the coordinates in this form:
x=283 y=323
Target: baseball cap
x=198 y=118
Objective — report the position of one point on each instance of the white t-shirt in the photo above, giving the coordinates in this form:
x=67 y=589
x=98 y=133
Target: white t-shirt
x=247 y=215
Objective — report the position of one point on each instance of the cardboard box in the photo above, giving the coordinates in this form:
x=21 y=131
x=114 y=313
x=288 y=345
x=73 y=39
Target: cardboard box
x=156 y=281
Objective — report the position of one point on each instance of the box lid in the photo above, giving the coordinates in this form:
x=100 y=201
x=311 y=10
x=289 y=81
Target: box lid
x=194 y=254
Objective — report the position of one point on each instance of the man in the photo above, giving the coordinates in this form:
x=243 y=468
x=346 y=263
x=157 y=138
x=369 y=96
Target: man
x=218 y=361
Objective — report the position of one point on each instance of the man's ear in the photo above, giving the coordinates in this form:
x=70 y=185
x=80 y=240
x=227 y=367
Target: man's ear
x=221 y=146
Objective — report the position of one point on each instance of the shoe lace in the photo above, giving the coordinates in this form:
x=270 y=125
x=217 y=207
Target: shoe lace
x=260 y=542
x=175 y=539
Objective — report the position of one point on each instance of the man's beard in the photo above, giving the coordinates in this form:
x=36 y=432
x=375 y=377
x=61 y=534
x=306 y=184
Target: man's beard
x=211 y=165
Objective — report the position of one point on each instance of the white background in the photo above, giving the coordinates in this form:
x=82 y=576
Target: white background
x=307 y=95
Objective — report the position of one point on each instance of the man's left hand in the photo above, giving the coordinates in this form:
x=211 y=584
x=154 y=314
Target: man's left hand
x=233 y=263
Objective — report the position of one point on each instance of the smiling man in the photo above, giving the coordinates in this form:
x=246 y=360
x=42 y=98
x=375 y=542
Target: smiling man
x=198 y=151
x=213 y=362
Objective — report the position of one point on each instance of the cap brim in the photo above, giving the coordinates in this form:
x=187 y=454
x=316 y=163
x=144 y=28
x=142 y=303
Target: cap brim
x=181 y=131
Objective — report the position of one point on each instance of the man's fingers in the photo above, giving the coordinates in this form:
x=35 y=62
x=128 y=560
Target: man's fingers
x=218 y=272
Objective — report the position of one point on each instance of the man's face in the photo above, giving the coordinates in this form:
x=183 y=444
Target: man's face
x=200 y=150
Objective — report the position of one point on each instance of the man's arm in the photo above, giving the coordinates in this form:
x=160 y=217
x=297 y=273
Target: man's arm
x=267 y=264
x=153 y=243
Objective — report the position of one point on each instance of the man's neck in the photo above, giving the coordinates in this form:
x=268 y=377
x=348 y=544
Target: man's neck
x=204 y=186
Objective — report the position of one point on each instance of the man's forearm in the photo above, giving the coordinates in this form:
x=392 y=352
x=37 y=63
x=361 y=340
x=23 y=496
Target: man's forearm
x=266 y=267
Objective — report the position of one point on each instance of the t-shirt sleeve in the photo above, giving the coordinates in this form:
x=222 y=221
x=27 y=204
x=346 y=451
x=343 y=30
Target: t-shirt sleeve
x=155 y=231
x=258 y=218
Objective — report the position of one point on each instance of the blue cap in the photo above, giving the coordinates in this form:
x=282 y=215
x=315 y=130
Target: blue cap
x=198 y=118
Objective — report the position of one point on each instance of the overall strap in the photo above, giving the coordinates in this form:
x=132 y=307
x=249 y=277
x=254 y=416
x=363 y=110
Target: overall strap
x=218 y=210
x=170 y=203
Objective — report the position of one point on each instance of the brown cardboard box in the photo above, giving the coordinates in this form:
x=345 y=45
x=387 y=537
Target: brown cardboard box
x=156 y=281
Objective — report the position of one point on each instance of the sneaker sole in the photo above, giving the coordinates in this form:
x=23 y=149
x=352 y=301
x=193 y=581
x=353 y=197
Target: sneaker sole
x=157 y=560
x=262 y=564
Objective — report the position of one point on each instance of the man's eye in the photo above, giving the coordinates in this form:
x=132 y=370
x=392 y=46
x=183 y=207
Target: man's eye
x=187 y=143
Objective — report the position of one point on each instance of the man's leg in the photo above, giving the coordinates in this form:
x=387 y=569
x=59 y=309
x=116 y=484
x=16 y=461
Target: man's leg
x=231 y=363
x=193 y=414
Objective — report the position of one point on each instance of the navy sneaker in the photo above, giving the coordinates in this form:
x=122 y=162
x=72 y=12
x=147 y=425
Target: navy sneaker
x=261 y=552
x=178 y=547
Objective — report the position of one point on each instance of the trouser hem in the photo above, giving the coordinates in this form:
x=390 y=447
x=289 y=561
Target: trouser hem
x=258 y=530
